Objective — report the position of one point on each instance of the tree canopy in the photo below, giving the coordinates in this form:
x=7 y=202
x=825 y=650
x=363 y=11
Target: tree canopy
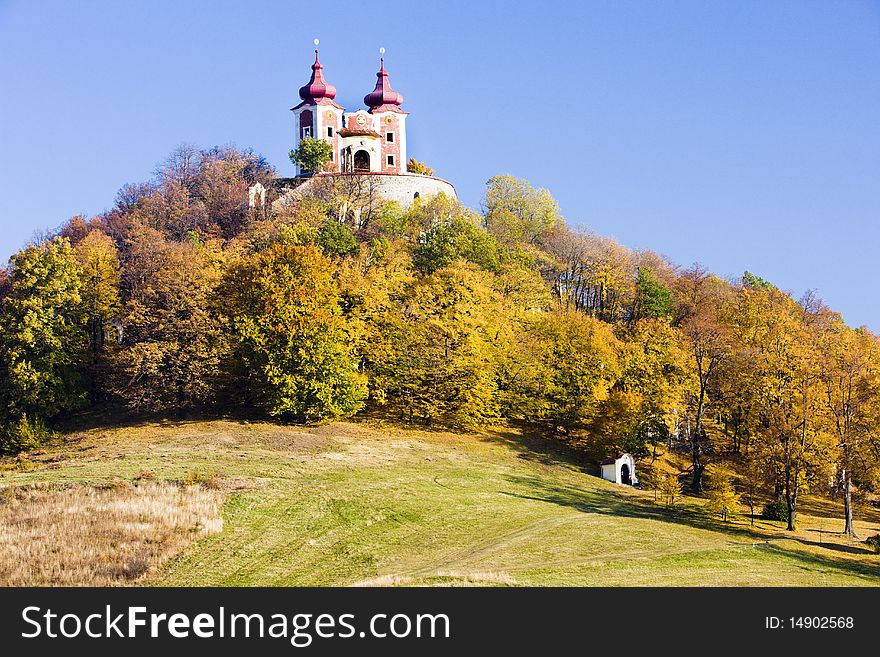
x=182 y=297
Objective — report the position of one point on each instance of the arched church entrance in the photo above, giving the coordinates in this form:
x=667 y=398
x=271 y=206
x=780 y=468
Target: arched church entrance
x=361 y=161
x=625 y=477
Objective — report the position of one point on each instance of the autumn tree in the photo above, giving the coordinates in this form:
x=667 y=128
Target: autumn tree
x=457 y=238
x=575 y=366
x=850 y=373
x=353 y=200
x=172 y=335
x=414 y=166
x=640 y=411
x=374 y=284
x=221 y=185
x=516 y=212
x=283 y=305
x=591 y=274
x=526 y=297
x=100 y=276
x=40 y=375
x=446 y=361
x=735 y=387
x=172 y=209
x=789 y=398
x=669 y=488
x=424 y=214
x=700 y=318
x=723 y=499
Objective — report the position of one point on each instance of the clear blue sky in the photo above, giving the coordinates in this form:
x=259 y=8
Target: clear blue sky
x=741 y=134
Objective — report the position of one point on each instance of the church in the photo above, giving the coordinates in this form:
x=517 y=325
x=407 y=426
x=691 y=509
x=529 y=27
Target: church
x=367 y=140
x=368 y=145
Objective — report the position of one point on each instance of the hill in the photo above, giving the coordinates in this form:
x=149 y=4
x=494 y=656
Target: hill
x=371 y=504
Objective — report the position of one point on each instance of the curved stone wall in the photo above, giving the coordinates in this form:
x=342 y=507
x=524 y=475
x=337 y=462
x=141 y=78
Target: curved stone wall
x=403 y=188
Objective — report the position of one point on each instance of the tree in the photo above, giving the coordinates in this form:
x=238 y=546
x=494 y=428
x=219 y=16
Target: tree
x=312 y=154
x=283 y=305
x=424 y=214
x=851 y=382
x=221 y=185
x=172 y=209
x=173 y=337
x=750 y=280
x=335 y=239
x=653 y=298
x=99 y=273
x=516 y=212
x=723 y=498
x=576 y=364
x=640 y=411
x=700 y=312
x=459 y=237
x=446 y=362
x=353 y=200
x=754 y=476
x=788 y=395
x=42 y=339
x=414 y=166
x=374 y=285
x=591 y=274
x=669 y=488
x=181 y=167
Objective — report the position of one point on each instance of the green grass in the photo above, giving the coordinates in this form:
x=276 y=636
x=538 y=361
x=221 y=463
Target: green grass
x=366 y=504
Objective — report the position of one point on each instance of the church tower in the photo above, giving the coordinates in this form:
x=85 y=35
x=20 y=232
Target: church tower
x=318 y=115
x=389 y=122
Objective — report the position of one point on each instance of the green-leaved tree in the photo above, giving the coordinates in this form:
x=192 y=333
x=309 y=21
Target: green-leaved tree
x=284 y=308
x=42 y=341
x=312 y=154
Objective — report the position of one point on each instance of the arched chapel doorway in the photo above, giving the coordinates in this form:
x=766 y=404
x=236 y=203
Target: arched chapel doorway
x=625 y=477
x=361 y=161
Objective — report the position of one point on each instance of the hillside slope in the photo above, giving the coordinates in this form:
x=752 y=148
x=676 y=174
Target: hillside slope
x=349 y=504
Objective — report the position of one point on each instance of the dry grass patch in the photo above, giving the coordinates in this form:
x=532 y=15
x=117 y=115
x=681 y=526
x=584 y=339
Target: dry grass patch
x=442 y=578
x=385 y=580
x=99 y=536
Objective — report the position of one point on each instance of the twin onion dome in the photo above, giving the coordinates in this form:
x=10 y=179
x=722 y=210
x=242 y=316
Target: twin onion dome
x=382 y=98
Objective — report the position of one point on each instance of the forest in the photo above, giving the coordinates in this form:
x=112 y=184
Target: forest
x=184 y=299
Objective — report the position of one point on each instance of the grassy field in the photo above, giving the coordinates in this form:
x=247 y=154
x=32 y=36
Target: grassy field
x=364 y=504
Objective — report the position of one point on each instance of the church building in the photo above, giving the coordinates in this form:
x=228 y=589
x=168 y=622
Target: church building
x=366 y=140
x=368 y=145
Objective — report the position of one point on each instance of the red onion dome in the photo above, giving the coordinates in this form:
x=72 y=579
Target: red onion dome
x=383 y=94
x=317 y=88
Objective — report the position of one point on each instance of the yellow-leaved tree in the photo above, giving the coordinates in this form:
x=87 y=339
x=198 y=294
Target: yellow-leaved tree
x=723 y=498
x=850 y=381
x=289 y=333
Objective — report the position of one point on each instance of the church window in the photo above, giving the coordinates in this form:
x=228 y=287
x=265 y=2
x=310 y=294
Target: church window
x=389 y=137
x=305 y=124
x=391 y=160
x=329 y=130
